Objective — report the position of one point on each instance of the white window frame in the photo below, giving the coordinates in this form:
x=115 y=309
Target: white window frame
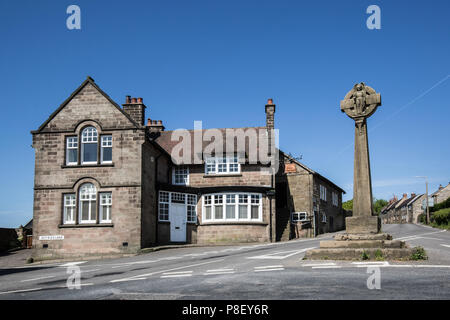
x=108 y=204
x=92 y=196
x=166 y=205
x=71 y=145
x=299 y=216
x=335 y=199
x=224 y=163
x=89 y=139
x=256 y=197
x=189 y=201
x=323 y=193
x=105 y=144
x=175 y=174
x=70 y=203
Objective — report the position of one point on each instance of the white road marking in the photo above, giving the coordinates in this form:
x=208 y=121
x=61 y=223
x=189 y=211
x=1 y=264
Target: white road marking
x=35 y=279
x=277 y=255
x=318 y=264
x=327 y=267
x=418 y=235
x=144 y=276
x=18 y=291
x=219 y=270
x=216 y=273
x=177 y=275
x=277 y=266
x=445 y=245
x=274 y=269
x=371 y=263
x=177 y=272
x=72 y=263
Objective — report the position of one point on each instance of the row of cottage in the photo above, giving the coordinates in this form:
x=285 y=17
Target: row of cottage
x=408 y=209
x=108 y=182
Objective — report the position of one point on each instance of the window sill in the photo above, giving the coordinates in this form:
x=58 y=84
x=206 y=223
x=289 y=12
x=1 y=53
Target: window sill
x=222 y=175
x=88 y=165
x=234 y=223
x=86 y=225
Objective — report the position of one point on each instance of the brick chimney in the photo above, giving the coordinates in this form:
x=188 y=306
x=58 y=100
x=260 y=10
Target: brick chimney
x=270 y=125
x=405 y=195
x=413 y=195
x=155 y=125
x=135 y=108
x=440 y=187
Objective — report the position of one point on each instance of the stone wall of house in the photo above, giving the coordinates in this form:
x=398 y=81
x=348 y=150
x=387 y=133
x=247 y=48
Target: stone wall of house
x=123 y=178
x=326 y=207
x=234 y=232
x=417 y=209
x=443 y=194
x=250 y=175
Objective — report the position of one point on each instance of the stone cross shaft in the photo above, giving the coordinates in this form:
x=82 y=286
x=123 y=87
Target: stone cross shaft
x=359 y=104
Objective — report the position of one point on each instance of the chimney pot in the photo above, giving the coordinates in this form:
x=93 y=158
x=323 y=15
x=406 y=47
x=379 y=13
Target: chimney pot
x=133 y=100
x=269 y=101
x=140 y=100
x=127 y=99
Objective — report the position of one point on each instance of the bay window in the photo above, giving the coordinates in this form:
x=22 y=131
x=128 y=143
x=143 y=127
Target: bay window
x=232 y=207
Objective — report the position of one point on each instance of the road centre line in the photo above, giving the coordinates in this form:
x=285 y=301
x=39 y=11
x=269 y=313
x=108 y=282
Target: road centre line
x=418 y=235
x=445 y=245
x=35 y=279
x=264 y=267
x=19 y=291
x=274 y=269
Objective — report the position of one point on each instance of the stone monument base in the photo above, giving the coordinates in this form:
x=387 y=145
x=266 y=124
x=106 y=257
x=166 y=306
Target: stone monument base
x=361 y=246
x=363 y=224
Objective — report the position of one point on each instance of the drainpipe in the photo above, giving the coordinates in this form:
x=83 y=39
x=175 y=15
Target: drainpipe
x=157 y=198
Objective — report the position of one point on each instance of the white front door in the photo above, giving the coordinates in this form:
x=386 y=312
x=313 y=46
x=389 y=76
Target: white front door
x=177 y=222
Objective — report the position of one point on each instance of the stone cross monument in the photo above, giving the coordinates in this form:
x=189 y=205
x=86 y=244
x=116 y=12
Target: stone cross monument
x=359 y=104
x=363 y=239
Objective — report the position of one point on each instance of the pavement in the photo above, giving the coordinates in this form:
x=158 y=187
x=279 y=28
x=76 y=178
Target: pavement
x=241 y=272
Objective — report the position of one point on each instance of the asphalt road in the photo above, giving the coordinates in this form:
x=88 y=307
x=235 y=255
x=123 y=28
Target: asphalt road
x=254 y=271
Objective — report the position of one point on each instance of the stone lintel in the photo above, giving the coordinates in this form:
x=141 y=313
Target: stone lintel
x=363 y=224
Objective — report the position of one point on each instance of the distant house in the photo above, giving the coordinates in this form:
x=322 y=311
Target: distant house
x=403 y=210
x=442 y=194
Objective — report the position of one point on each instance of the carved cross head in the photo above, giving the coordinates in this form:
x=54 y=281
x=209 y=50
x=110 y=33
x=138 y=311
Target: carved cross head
x=360 y=102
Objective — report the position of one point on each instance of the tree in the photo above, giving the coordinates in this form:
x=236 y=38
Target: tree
x=378 y=204
x=348 y=205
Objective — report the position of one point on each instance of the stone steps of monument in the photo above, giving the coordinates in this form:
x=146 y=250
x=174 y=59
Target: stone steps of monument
x=364 y=236
x=360 y=254
x=362 y=244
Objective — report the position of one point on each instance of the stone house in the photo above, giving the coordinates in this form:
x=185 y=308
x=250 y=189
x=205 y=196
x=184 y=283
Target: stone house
x=107 y=183
x=442 y=194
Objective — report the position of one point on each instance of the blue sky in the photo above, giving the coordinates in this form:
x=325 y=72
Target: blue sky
x=219 y=61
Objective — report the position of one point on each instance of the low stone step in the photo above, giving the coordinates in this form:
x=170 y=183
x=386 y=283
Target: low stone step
x=362 y=244
x=360 y=254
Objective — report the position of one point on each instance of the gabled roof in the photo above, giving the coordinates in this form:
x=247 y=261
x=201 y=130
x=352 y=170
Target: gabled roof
x=91 y=81
x=409 y=201
x=165 y=140
x=311 y=170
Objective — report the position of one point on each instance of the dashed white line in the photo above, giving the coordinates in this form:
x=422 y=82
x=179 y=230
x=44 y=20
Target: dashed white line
x=327 y=267
x=445 y=245
x=35 y=279
x=18 y=291
x=318 y=264
x=269 y=268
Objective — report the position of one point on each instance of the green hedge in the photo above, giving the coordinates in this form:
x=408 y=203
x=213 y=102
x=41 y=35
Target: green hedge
x=442 y=205
x=441 y=217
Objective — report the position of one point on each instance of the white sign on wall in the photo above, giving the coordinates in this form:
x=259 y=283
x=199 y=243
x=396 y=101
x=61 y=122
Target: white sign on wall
x=57 y=237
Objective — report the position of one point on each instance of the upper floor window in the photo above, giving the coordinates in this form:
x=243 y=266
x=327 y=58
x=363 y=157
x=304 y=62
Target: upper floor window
x=106 y=151
x=89 y=145
x=323 y=193
x=335 y=199
x=181 y=175
x=88 y=203
x=222 y=165
x=72 y=150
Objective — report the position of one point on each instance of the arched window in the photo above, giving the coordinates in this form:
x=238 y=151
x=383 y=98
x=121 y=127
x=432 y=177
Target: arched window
x=89 y=145
x=88 y=203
